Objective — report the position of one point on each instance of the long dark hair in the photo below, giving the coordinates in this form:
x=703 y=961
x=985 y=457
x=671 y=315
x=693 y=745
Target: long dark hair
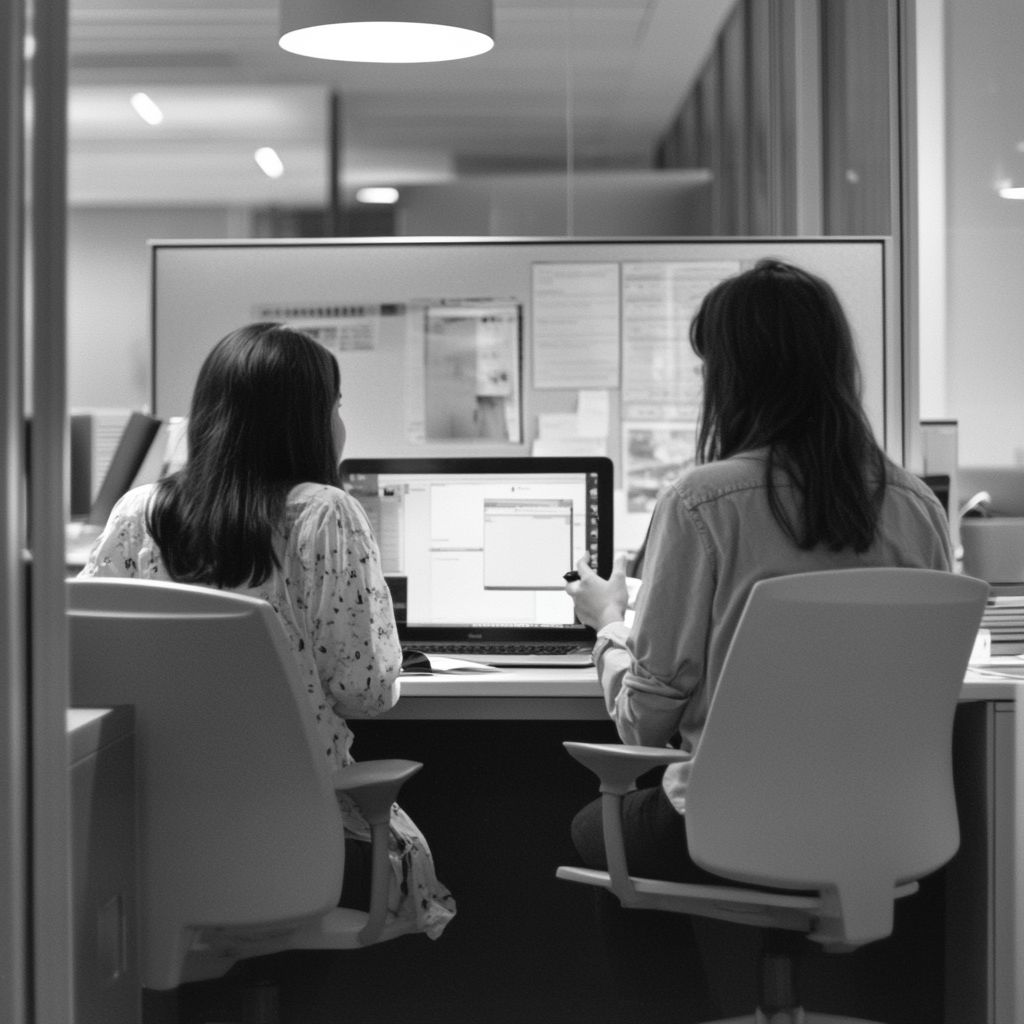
x=260 y=423
x=780 y=371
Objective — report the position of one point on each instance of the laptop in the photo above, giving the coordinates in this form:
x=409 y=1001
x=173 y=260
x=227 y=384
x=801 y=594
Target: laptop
x=474 y=551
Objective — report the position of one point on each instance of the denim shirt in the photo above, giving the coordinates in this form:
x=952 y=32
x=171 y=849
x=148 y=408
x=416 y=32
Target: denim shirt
x=712 y=537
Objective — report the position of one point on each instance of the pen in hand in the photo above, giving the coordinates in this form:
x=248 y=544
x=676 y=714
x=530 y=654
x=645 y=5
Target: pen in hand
x=571 y=576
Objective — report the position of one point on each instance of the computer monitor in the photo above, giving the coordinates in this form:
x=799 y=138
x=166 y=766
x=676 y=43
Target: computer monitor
x=475 y=549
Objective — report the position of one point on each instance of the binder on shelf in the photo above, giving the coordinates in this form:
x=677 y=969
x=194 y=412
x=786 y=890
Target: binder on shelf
x=129 y=455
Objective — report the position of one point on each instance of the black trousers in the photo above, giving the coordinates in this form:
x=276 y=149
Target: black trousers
x=653 y=957
x=355 y=886
x=655 y=839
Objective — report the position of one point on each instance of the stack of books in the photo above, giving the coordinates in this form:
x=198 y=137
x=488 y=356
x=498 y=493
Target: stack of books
x=1004 y=616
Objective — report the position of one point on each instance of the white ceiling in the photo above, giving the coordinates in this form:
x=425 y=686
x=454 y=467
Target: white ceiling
x=226 y=88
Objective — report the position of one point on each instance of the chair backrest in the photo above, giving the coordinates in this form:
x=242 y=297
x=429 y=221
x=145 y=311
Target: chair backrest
x=239 y=824
x=826 y=760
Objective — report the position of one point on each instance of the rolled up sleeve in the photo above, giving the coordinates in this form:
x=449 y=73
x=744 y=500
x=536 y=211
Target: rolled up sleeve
x=650 y=672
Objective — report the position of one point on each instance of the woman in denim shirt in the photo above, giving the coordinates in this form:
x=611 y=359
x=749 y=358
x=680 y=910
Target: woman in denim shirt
x=789 y=479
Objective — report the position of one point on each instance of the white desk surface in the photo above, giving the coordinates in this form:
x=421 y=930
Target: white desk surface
x=506 y=682
x=983 y=682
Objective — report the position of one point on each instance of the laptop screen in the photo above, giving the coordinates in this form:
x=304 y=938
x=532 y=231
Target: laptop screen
x=475 y=549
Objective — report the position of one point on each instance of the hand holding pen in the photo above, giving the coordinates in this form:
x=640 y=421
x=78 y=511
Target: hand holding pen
x=598 y=602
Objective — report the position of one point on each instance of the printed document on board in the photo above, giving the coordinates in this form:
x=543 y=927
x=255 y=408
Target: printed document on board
x=576 y=325
x=462 y=372
x=661 y=375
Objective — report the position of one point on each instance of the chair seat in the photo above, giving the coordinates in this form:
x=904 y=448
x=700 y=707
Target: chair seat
x=338 y=929
x=756 y=907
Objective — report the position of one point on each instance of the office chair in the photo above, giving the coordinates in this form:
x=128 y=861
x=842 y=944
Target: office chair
x=241 y=837
x=825 y=764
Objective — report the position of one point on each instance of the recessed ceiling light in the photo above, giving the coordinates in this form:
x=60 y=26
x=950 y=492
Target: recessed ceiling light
x=418 y=30
x=146 y=108
x=270 y=162
x=377 y=195
x=1012 y=192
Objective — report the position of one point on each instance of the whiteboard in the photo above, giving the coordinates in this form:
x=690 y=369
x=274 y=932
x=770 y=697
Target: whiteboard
x=203 y=290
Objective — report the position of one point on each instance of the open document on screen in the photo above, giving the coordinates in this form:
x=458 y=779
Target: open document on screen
x=523 y=539
x=479 y=548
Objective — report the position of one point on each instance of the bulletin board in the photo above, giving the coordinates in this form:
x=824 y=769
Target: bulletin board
x=510 y=347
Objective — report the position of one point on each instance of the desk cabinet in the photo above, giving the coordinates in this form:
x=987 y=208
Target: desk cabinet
x=103 y=870
x=981 y=914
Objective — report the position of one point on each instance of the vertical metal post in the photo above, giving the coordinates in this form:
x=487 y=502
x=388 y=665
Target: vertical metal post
x=570 y=140
x=809 y=158
x=930 y=55
x=14 y=874
x=336 y=143
x=903 y=192
x=47 y=515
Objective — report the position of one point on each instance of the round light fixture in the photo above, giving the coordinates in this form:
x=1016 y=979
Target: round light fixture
x=146 y=109
x=387 y=31
x=269 y=162
x=374 y=194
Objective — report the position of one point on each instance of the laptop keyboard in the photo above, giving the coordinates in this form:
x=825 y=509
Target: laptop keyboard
x=456 y=648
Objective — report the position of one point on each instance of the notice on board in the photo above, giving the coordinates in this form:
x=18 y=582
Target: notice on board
x=661 y=374
x=576 y=325
x=653 y=456
x=580 y=433
x=463 y=372
x=340 y=328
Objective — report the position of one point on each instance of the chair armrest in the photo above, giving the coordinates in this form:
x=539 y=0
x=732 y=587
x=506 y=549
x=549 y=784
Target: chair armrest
x=373 y=786
x=618 y=765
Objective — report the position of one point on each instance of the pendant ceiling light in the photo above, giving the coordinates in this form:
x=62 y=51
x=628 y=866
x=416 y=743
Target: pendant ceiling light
x=387 y=31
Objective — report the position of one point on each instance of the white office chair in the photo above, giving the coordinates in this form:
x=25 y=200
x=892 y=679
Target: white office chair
x=825 y=763
x=241 y=837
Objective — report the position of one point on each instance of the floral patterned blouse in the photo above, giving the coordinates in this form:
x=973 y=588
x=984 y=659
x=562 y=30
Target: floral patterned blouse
x=329 y=594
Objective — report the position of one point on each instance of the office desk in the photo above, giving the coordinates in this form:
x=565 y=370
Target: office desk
x=985 y=894
x=985 y=883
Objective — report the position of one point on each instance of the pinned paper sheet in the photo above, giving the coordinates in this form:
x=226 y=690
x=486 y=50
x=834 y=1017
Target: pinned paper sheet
x=575 y=325
x=592 y=414
x=570 y=447
x=589 y=421
x=552 y=426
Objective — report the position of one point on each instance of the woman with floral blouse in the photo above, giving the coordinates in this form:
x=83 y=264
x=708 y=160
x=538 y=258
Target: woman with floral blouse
x=258 y=509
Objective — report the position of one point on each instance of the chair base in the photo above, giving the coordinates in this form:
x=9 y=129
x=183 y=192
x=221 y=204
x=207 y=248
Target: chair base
x=795 y=1016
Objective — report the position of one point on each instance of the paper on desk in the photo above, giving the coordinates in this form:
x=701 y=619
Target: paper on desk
x=442 y=665
x=981 y=675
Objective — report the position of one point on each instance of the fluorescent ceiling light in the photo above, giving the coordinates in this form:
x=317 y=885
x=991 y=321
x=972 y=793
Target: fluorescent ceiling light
x=377 y=195
x=146 y=108
x=1012 y=192
x=270 y=162
x=387 y=31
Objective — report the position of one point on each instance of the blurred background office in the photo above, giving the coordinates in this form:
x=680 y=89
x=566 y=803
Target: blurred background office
x=589 y=117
